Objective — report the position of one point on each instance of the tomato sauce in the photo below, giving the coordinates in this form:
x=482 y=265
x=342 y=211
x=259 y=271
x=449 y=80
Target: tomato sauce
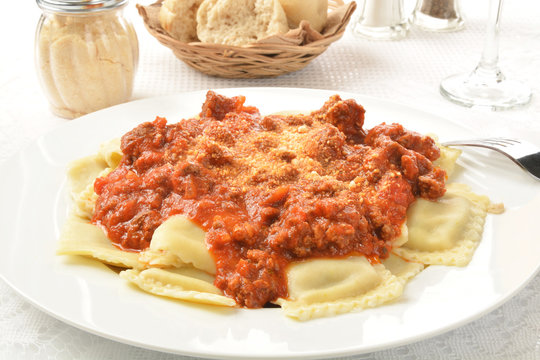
x=269 y=190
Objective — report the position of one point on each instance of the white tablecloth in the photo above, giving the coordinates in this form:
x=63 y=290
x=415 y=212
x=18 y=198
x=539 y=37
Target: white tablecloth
x=406 y=71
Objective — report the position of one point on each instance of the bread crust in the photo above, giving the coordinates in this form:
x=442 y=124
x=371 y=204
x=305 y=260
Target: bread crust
x=179 y=19
x=239 y=22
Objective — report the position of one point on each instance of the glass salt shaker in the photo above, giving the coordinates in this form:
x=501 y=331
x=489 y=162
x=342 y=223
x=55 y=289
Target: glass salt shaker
x=438 y=15
x=381 y=20
x=86 y=55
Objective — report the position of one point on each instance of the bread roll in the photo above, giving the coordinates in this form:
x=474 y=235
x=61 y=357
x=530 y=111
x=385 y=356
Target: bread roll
x=239 y=22
x=179 y=19
x=314 y=11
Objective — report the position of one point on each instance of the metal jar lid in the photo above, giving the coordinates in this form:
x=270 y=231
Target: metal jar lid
x=80 y=6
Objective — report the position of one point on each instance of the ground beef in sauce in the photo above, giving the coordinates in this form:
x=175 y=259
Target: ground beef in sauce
x=269 y=190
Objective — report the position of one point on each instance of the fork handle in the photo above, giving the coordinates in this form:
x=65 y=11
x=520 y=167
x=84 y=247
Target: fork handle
x=532 y=163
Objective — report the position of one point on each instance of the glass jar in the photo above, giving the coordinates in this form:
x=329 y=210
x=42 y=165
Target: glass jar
x=438 y=15
x=381 y=20
x=86 y=55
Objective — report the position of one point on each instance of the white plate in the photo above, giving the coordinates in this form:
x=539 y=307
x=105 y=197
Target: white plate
x=91 y=297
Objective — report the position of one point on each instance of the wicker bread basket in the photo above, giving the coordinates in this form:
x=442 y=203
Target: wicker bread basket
x=273 y=56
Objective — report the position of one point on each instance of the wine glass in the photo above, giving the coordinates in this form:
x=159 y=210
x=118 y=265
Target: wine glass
x=486 y=85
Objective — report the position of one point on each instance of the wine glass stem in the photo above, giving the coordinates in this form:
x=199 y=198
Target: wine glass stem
x=490 y=54
x=486 y=85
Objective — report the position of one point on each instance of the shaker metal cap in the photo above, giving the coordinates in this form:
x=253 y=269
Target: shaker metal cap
x=79 y=6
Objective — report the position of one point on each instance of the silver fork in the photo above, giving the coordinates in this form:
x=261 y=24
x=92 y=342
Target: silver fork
x=522 y=153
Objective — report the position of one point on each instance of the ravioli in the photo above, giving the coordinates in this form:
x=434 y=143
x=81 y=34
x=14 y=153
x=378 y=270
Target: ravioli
x=176 y=242
x=80 y=237
x=111 y=153
x=83 y=172
x=446 y=231
x=187 y=284
x=448 y=159
x=178 y=264
x=327 y=287
x=402 y=269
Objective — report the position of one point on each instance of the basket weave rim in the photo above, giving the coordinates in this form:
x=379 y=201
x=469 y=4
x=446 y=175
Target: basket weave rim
x=332 y=5
x=272 y=56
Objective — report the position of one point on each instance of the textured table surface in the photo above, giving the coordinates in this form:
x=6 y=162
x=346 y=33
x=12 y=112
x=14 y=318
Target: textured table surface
x=406 y=71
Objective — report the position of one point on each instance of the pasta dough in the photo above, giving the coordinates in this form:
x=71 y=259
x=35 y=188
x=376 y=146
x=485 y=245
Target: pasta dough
x=84 y=171
x=445 y=232
x=448 y=159
x=331 y=279
x=326 y=287
x=110 y=153
x=404 y=270
x=184 y=284
x=177 y=241
x=79 y=237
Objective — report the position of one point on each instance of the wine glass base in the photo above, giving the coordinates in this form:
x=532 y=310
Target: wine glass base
x=468 y=90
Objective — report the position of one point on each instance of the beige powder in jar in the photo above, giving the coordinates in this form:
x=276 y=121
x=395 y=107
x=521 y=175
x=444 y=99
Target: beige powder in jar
x=86 y=62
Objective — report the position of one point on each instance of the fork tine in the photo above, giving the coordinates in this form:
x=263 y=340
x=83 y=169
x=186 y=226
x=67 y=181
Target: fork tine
x=522 y=153
x=507 y=141
x=495 y=142
x=504 y=142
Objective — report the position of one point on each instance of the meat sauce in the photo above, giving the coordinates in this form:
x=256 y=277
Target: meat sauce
x=269 y=190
